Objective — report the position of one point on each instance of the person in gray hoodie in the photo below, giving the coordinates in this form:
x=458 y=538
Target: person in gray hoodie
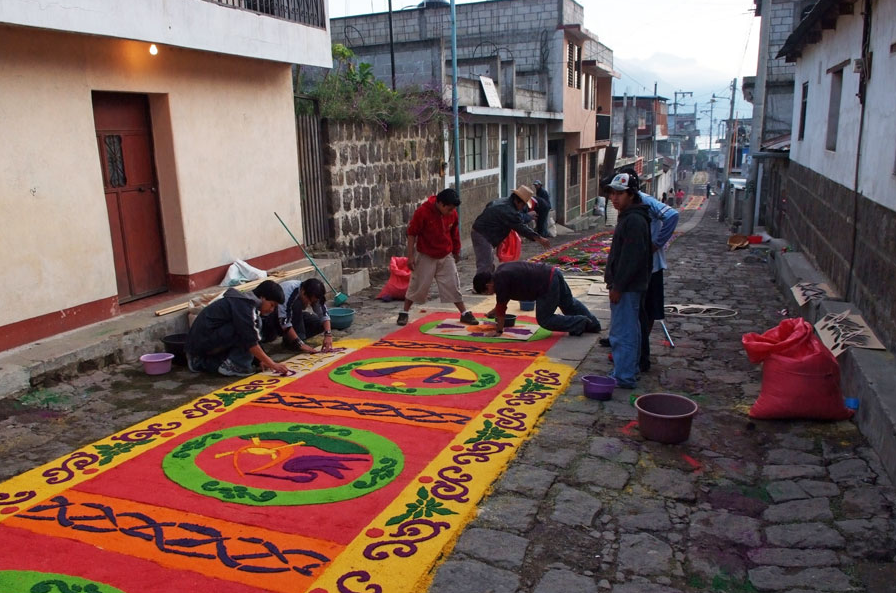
x=627 y=274
x=494 y=224
x=225 y=336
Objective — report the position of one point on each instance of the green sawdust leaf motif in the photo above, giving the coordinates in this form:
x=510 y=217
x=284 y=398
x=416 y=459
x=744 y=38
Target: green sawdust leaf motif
x=384 y=472
x=228 y=397
x=322 y=429
x=196 y=444
x=110 y=452
x=424 y=506
x=328 y=444
x=62 y=587
x=238 y=492
x=529 y=386
x=489 y=432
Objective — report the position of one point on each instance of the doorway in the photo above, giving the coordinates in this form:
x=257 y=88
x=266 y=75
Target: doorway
x=556 y=179
x=124 y=139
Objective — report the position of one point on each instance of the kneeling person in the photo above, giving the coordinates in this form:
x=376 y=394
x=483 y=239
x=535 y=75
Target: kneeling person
x=525 y=281
x=294 y=322
x=225 y=336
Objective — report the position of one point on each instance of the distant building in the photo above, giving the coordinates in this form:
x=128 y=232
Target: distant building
x=640 y=127
x=534 y=92
x=146 y=145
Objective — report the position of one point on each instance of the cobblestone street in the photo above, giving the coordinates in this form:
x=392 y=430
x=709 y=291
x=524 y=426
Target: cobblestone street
x=589 y=505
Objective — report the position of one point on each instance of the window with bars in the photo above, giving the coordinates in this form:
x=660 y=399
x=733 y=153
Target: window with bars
x=532 y=143
x=115 y=161
x=573 y=66
x=474 y=147
x=573 y=166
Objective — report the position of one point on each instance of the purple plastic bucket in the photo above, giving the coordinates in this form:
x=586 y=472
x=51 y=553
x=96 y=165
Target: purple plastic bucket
x=665 y=417
x=598 y=387
x=158 y=363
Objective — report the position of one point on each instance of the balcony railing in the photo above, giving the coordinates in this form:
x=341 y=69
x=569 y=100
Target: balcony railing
x=306 y=12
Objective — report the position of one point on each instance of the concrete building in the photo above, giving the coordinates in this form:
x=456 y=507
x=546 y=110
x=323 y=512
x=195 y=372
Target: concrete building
x=840 y=188
x=533 y=86
x=771 y=93
x=640 y=127
x=146 y=145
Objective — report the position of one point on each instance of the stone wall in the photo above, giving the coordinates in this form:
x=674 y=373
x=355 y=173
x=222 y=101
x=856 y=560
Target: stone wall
x=375 y=180
x=475 y=194
x=828 y=223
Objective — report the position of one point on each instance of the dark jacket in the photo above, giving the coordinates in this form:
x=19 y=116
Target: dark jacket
x=631 y=257
x=498 y=219
x=521 y=281
x=231 y=321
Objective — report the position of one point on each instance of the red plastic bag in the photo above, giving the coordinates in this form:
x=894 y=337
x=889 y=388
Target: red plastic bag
x=399 y=278
x=510 y=248
x=800 y=376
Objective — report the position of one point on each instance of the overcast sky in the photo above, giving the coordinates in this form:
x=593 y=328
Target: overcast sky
x=682 y=45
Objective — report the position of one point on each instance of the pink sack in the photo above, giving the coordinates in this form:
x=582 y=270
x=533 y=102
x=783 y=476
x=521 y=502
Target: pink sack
x=399 y=278
x=800 y=376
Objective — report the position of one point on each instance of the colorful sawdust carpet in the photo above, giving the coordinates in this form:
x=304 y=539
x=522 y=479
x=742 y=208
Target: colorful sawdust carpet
x=355 y=473
x=588 y=254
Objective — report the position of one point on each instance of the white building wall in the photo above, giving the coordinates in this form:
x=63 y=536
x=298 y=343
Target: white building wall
x=877 y=176
x=837 y=45
x=225 y=154
x=193 y=24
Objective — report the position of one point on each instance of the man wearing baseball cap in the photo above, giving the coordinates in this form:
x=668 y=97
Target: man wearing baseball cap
x=627 y=275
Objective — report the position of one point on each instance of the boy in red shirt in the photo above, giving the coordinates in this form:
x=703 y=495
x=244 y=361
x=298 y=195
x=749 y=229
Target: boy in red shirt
x=433 y=250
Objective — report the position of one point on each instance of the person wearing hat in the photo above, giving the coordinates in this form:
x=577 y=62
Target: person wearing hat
x=496 y=221
x=542 y=207
x=627 y=274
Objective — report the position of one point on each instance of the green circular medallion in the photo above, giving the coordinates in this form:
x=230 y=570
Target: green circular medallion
x=415 y=375
x=334 y=451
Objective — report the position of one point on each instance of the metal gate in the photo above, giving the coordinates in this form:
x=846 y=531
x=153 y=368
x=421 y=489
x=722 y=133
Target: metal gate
x=315 y=224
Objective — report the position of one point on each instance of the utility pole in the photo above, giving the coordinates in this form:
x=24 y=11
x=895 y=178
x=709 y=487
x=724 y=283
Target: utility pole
x=391 y=45
x=655 y=111
x=683 y=94
x=729 y=137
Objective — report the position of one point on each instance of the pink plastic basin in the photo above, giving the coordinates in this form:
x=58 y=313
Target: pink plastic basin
x=157 y=363
x=598 y=387
x=665 y=417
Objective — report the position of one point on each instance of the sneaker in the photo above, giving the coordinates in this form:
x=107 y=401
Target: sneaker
x=193 y=363
x=469 y=318
x=229 y=369
x=605 y=342
x=402 y=318
x=593 y=327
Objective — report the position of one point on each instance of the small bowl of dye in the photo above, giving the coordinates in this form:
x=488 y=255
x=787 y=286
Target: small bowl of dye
x=598 y=387
x=527 y=305
x=509 y=320
x=157 y=363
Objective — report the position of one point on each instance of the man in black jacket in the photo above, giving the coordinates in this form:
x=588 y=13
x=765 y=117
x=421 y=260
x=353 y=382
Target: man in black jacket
x=525 y=281
x=494 y=224
x=627 y=274
x=542 y=208
x=225 y=336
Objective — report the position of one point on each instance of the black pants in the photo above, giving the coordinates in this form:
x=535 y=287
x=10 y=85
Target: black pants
x=306 y=325
x=542 y=208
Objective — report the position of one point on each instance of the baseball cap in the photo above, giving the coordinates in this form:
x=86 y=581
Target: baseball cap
x=624 y=181
x=538 y=182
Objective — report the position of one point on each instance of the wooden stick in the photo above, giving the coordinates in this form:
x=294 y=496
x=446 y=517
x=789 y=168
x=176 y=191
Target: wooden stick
x=277 y=276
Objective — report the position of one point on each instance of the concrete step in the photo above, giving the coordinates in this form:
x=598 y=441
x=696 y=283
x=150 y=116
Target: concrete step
x=121 y=339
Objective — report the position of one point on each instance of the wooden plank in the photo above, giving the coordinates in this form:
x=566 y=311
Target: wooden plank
x=278 y=276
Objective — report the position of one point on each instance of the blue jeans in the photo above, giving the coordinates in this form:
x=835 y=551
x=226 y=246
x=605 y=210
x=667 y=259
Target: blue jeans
x=625 y=338
x=576 y=316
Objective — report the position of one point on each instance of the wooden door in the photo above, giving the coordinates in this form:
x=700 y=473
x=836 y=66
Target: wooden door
x=125 y=146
